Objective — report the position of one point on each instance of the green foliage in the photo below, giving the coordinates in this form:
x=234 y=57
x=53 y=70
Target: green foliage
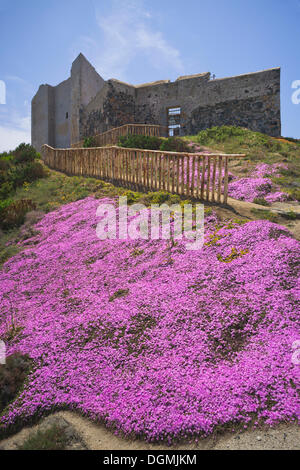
x=261 y=201
x=4 y=204
x=53 y=438
x=4 y=164
x=12 y=377
x=257 y=146
x=239 y=136
x=24 y=153
x=265 y=215
x=171 y=144
x=89 y=142
x=18 y=167
x=29 y=172
x=140 y=142
x=159 y=197
x=5 y=190
x=174 y=144
x=294 y=193
x=291 y=215
x=132 y=197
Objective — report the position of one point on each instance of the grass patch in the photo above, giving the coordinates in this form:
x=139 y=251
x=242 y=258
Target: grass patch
x=291 y=215
x=265 y=215
x=50 y=193
x=261 y=201
x=53 y=438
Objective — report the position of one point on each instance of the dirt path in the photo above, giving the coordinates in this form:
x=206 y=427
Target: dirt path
x=85 y=434
x=242 y=209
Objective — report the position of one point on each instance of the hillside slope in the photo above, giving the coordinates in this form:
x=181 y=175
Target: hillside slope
x=151 y=339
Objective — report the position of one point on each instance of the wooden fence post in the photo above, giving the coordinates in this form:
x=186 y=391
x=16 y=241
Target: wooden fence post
x=226 y=180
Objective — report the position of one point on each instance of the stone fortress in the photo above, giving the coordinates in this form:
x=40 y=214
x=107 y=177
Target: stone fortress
x=85 y=104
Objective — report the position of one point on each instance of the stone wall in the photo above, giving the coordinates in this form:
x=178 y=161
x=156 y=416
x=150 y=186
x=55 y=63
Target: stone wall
x=256 y=114
x=114 y=106
x=62 y=114
x=86 y=105
x=251 y=100
x=42 y=117
x=85 y=84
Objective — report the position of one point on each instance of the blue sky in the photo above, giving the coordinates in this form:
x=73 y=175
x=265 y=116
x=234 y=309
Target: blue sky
x=139 y=41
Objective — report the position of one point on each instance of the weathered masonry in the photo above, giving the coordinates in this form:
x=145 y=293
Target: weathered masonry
x=85 y=104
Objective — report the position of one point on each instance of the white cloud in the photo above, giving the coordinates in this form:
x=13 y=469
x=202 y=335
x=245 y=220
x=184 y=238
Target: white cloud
x=128 y=32
x=16 y=132
x=15 y=78
x=15 y=121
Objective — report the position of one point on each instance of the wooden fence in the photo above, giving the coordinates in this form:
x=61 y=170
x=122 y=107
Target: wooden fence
x=195 y=175
x=111 y=137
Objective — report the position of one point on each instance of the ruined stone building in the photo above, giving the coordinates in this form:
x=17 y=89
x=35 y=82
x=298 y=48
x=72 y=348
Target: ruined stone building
x=85 y=104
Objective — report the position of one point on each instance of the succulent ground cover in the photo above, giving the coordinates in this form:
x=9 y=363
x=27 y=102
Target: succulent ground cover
x=149 y=338
x=259 y=185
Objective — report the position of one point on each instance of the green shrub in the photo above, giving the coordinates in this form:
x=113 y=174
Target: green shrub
x=171 y=144
x=5 y=190
x=294 y=193
x=239 y=136
x=132 y=197
x=4 y=204
x=12 y=213
x=140 y=142
x=261 y=201
x=175 y=144
x=291 y=215
x=12 y=377
x=24 y=153
x=219 y=134
x=6 y=156
x=54 y=438
x=28 y=172
x=34 y=171
x=89 y=142
x=5 y=164
x=16 y=176
x=159 y=197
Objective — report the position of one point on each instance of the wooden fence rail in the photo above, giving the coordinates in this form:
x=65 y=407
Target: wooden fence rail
x=111 y=137
x=195 y=175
